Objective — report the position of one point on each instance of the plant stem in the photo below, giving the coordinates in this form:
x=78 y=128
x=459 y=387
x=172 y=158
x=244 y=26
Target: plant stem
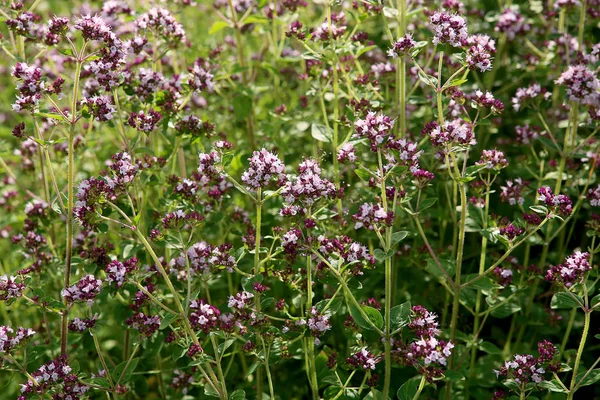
x=457 y=287
x=478 y=299
x=420 y=388
x=310 y=342
x=70 y=178
x=336 y=117
x=586 y=328
x=389 y=301
x=401 y=6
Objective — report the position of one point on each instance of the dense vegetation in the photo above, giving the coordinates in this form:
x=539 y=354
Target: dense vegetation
x=299 y=199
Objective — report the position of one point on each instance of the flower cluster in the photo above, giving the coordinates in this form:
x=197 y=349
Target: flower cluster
x=449 y=28
x=240 y=301
x=55 y=375
x=91 y=194
x=512 y=191
x=116 y=271
x=402 y=46
x=81 y=325
x=583 y=85
x=85 y=290
x=478 y=58
x=371 y=216
x=264 y=168
x=426 y=352
x=350 y=251
x=308 y=188
x=9 y=339
x=163 y=23
x=200 y=79
x=147 y=325
x=493 y=159
x=144 y=122
x=560 y=204
x=375 y=127
x=318 y=323
x=30 y=86
x=10 y=288
x=593 y=195
x=362 y=359
x=525 y=368
x=512 y=23
x=203 y=316
x=101 y=107
x=347 y=153
x=571 y=271
x=457 y=131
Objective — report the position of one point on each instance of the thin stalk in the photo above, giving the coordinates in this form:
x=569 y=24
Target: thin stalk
x=420 y=388
x=336 y=116
x=586 y=328
x=457 y=287
x=401 y=6
x=310 y=342
x=64 y=333
x=255 y=272
x=477 y=322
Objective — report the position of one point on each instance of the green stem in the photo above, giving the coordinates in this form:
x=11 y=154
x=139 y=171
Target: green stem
x=457 y=287
x=477 y=322
x=255 y=272
x=420 y=388
x=310 y=351
x=336 y=117
x=586 y=328
x=389 y=301
x=70 y=203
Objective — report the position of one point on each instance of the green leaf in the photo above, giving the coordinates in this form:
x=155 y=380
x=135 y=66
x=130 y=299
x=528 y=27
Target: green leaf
x=484 y=283
x=457 y=82
x=209 y=391
x=399 y=236
x=409 y=388
x=595 y=302
x=252 y=368
x=381 y=255
x=434 y=269
x=363 y=174
x=564 y=300
x=255 y=19
x=224 y=346
x=321 y=133
x=217 y=26
x=490 y=348
x=371 y=313
x=238 y=395
x=505 y=310
x=374 y=394
x=400 y=315
x=122 y=372
x=474 y=169
x=552 y=386
x=539 y=209
x=98 y=381
x=590 y=379
x=425 y=204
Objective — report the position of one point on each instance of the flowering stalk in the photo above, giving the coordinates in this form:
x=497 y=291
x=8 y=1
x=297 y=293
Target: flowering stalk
x=310 y=342
x=255 y=272
x=70 y=197
x=389 y=302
